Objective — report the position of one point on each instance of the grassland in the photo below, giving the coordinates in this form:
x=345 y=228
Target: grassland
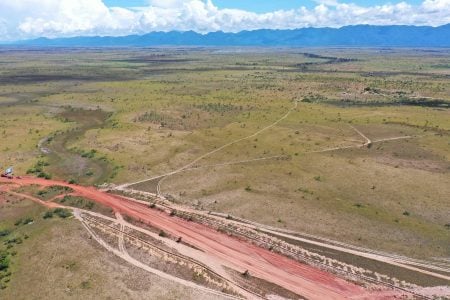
x=162 y=108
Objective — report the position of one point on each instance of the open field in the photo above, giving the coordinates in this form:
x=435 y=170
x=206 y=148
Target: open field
x=351 y=145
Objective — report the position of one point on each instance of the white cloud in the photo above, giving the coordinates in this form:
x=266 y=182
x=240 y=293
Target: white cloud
x=434 y=5
x=22 y=19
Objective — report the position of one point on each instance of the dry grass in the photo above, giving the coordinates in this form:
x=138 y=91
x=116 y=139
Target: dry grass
x=208 y=99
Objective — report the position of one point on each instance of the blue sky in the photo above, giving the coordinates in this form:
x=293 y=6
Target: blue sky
x=263 y=5
x=25 y=19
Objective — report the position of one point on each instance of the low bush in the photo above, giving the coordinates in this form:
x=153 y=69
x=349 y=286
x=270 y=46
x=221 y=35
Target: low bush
x=62 y=213
x=4 y=260
x=48 y=215
x=5 y=232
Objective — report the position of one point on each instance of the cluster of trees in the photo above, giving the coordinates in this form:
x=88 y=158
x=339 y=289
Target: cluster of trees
x=38 y=170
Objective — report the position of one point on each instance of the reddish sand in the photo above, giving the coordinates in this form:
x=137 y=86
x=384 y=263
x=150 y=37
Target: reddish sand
x=299 y=278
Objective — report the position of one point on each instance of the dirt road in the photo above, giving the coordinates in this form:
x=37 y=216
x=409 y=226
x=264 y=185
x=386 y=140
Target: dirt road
x=231 y=252
x=190 y=164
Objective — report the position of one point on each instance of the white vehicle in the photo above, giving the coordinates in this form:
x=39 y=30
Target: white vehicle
x=8 y=173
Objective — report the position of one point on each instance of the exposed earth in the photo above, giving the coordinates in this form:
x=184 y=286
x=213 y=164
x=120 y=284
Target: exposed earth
x=218 y=249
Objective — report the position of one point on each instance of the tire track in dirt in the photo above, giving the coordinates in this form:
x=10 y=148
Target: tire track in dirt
x=232 y=252
x=126 y=185
x=126 y=257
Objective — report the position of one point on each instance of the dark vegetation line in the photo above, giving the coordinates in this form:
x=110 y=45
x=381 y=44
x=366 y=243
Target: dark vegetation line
x=403 y=101
x=65 y=162
x=327 y=61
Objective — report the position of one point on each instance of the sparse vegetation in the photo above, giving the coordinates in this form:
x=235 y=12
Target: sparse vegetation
x=217 y=107
x=48 y=215
x=88 y=154
x=24 y=221
x=38 y=168
x=53 y=191
x=62 y=213
x=4 y=232
x=135 y=120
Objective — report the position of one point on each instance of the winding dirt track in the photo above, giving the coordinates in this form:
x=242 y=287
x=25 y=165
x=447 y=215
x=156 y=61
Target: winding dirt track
x=232 y=252
x=190 y=164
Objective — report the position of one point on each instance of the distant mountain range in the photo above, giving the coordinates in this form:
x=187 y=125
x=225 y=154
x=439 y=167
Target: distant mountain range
x=349 y=36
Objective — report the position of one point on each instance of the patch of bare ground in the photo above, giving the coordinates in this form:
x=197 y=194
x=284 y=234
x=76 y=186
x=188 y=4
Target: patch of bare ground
x=425 y=165
x=137 y=196
x=62 y=262
x=106 y=235
x=143 y=225
x=436 y=292
x=150 y=186
x=262 y=287
x=377 y=267
x=176 y=267
x=149 y=239
x=385 y=131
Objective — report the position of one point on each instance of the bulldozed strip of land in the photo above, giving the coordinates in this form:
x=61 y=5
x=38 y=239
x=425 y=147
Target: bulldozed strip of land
x=336 y=257
x=127 y=239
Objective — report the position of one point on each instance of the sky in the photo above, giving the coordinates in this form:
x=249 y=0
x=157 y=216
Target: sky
x=27 y=19
x=258 y=5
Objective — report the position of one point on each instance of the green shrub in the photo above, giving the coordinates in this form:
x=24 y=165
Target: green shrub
x=88 y=154
x=4 y=260
x=48 y=214
x=62 y=213
x=15 y=240
x=28 y=221
x=38 y=168
x=217 y=107
x=150 y=117
x=5 y=232
x=42 y=163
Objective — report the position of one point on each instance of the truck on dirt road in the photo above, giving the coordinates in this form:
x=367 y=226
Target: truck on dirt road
x=8 y=173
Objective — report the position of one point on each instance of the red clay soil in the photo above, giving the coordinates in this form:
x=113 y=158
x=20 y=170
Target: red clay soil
x=299 y=278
